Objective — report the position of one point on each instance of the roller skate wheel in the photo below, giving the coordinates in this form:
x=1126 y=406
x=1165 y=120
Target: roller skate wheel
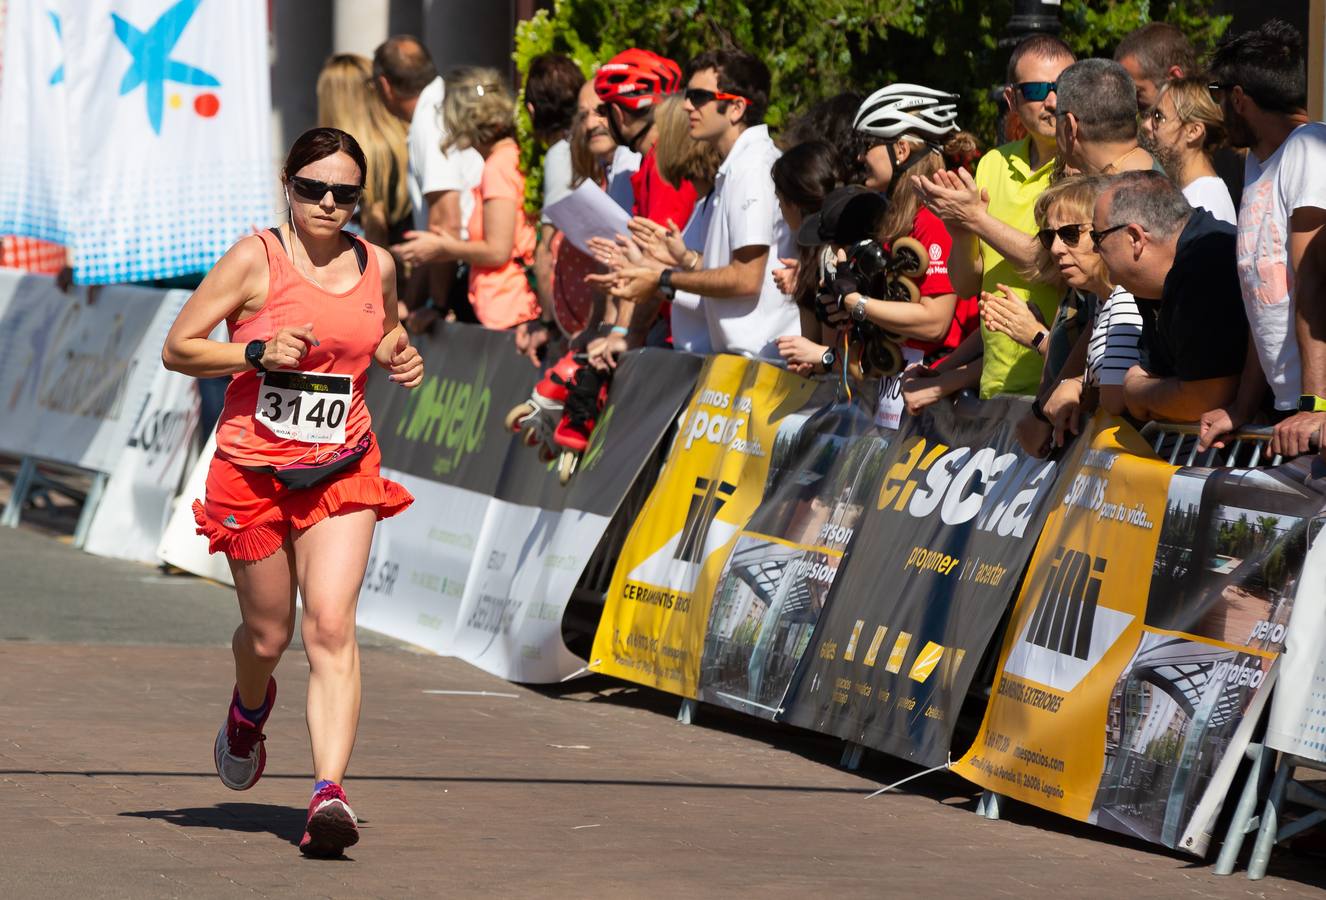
x=566 y=465
x=911 y=257
x=517 y=413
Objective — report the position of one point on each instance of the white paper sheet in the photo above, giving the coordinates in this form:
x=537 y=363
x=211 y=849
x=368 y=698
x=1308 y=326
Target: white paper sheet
x=585 y=213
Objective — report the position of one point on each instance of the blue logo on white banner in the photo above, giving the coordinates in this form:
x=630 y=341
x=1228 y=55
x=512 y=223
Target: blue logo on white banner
x=168 y=175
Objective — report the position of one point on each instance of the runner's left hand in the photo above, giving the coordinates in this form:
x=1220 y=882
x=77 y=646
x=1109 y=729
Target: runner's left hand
x=406 y=366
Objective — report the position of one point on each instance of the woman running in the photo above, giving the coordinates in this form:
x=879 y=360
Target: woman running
x=294 y=489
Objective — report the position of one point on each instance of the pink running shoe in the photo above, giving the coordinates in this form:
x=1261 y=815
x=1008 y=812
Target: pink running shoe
x=239 y=753
x=332 y=825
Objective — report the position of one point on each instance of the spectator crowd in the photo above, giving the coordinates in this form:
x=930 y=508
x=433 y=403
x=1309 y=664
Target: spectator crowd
x=1150 y=246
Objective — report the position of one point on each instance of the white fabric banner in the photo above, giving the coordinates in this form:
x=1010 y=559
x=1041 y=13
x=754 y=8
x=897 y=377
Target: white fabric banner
x=181 y=545
x=164 y=104
x=34 y=156
x=72 y=374
x=1298 y=706
x=132 y=514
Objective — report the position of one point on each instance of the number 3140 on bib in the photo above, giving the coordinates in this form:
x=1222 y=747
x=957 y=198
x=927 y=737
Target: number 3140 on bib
x=305 y=406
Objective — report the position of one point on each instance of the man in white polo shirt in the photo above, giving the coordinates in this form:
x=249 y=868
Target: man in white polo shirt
x=441 y=183
x=726 y=98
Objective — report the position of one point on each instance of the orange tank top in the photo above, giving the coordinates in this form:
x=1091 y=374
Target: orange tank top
x=349 y=326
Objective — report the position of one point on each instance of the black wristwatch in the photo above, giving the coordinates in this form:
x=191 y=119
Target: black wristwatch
x=665 y=284
x=828 y=359
x=1038 y=339
x=253 y=351
x=1039 y=413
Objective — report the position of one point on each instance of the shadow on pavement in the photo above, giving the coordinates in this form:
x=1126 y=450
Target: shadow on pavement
x=285 y=822
x=214 y=814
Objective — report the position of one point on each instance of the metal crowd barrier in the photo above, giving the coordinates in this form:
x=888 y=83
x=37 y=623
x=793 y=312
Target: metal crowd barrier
x=1246 y=448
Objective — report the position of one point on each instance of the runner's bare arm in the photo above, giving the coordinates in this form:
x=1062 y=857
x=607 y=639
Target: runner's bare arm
x=236 y=286
x=394 y=352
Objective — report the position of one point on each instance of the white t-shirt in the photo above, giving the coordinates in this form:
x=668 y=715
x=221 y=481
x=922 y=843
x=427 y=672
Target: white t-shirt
x=557 y=173
x=1211 y=194
x=1116 y=340
x=1289 y=179
x=690 y=329
x=433 y=171
x=625 y=163
x=745 y=213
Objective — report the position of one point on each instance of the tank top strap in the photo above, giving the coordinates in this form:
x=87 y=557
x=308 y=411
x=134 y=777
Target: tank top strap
x=280 y=269
x=372 y=271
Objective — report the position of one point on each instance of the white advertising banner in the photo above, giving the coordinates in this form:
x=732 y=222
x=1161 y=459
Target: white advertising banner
x=74 y=374
x=132 y=515
x=1298 y=706
x=181 y=545
x=164 y=105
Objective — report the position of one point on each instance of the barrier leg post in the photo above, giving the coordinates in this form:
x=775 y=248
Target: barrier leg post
x=1270 y=824
x=89 y=509
x=980 y=804
x=851 y=758
x=1245 y=820
x=686 y=715
x=992 y=805
x=18 y=495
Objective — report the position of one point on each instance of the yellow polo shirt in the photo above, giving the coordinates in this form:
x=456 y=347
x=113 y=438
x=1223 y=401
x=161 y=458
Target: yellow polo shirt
x=1005 y=172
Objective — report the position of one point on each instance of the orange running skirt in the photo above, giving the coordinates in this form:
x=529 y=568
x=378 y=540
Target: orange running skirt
x=248 y=514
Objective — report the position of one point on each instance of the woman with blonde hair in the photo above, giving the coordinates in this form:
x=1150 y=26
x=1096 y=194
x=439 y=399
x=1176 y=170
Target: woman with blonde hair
x=1182 y=129
x=346 y=100
x=480 y=112
x=1095 y=337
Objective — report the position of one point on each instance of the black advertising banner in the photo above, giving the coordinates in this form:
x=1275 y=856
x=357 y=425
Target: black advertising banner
x=450 y=429
x=483 y=564
x=824 y=472
x=933 y=566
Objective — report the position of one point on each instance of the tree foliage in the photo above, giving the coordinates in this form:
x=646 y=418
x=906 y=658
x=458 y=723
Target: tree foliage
x=817 y=48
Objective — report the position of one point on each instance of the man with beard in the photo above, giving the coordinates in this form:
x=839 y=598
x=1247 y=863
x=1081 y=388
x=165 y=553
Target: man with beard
x=1260 y=80
x=1154 y=55
x=1181 y=130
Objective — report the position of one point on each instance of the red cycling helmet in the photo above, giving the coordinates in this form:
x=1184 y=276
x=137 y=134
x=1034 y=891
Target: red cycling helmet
x=636 y=78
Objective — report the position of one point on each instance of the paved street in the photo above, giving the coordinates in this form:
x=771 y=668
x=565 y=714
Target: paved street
x=114 y=678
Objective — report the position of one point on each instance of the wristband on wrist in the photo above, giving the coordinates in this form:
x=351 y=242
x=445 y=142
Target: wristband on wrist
x=620 y=329
x=1038 y=412
x=694 y=257
x=1038 y=339
x=665 y=283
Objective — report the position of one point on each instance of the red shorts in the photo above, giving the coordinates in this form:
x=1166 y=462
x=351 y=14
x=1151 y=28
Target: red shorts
x=247 y=514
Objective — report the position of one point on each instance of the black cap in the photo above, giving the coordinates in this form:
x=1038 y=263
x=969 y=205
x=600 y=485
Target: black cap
x=849 y=214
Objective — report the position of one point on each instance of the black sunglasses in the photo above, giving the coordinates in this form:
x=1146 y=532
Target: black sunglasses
x=1069 y=234
x=313 y=191
x=1036 y=90
x=1098 y=236
x=698 y=97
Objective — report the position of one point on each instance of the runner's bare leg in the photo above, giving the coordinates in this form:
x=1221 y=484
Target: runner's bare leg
x=330 y=558
x=266 y=592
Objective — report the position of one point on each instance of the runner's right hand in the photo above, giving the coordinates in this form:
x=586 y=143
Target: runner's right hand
x=288 y=346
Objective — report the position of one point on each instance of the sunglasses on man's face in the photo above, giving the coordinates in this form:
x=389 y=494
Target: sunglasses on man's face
x=1098 y=236
x=698 y=97
x=313 y=191
x=1069 y=234
x=1036 y=91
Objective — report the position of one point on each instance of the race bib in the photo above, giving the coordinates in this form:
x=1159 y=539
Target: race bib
x=888 y=414
x=305 y=406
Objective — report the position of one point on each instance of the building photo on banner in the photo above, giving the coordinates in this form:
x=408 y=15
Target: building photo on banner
x=1169 y=664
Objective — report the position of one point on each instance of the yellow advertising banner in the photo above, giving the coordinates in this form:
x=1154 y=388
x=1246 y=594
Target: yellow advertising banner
x=653 y=625
x=1076 y=625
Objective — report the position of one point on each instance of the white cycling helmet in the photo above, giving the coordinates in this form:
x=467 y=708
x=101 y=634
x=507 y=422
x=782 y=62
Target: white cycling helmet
x=901 y=109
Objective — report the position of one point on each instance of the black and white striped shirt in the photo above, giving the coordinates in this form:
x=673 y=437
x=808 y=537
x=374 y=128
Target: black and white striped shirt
x=1116 y=340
